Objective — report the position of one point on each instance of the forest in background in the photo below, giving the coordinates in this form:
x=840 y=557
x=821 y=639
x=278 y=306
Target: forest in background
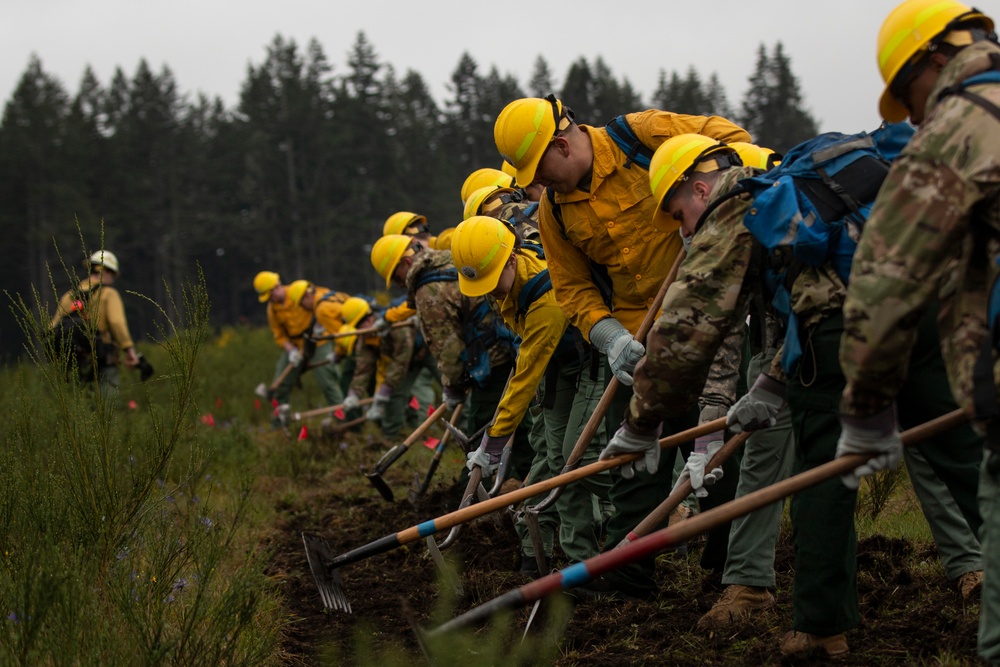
x=297 y=178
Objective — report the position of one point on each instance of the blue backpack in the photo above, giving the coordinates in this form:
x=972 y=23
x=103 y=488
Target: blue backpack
x=810 y=209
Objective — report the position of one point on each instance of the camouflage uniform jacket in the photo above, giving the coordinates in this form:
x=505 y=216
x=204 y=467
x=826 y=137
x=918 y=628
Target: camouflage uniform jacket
x=701 y=327
x=397 y=349
x=540 y=329
x=609 y=224
x=526 y=224
x=939 y=202
x=444 y=315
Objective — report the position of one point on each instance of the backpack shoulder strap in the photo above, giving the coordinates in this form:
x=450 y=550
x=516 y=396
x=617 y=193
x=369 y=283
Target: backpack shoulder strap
x=534 y=247
x=735 y=192
x=625 y=137
x=538 y=285
x=438 y=276
x=961 y=88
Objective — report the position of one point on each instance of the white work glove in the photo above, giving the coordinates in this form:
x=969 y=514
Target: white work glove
x=377 y=409
x=453 y=397
x=482 y=458
x=705 y=447
x=295 y=356
x=759 y=407
x=282 y=412
x=382 y=326
x=878 y=435
x=629 y=440
x=617 y=344
x=352 y=401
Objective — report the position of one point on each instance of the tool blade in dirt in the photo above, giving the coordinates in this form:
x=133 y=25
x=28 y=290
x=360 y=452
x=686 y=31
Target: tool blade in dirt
x=328 y=580
x=654 y=543
x=448 y=574
x=535 y=533
x=380 y=486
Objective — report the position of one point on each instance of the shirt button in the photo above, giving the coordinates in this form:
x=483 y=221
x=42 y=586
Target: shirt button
x=638 y=276
x=649 y=301
x=625 y=250
x=610 y=225
x=593 y=198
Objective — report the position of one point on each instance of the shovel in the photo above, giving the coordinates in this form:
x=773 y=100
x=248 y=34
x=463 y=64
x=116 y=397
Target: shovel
x=651 y=544
x=597 y=416
x=391 y=456
x=363 y=332
x=267 y=391
x=325 y=565
x=318 y=412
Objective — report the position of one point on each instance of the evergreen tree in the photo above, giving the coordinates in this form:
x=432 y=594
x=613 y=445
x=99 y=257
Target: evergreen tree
x=772 y=107
x=541 y=83
x=578 y=92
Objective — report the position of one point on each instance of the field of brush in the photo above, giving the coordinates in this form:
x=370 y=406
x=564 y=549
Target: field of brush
x=162 y=526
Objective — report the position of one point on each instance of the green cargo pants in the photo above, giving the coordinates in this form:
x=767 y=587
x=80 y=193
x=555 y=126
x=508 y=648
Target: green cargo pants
x=989 y=605
x=398 y=407
x=327 y=377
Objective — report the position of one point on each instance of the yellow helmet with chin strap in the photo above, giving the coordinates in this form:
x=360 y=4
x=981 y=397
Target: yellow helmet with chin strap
x=480 y=248
x=405 y=222
x=523 y=131
x=914 y=29
x=387 y=252
x=482 y=178
x=346 y=343
x=297 y=290
x=475 y=204
x=264 y=282
x=673 y=163
x=354 y=310
x=756 y=156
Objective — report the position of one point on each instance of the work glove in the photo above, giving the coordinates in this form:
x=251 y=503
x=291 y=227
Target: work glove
x=295 y=356
x=878 y=435
x=352 y=401
x=281 y=412
x=487 y=455
x=759 y=407
x=382 y=326
x=453 y=397
x=377 y=409
x=629 y=440
x=705 y=447
x=617 y=344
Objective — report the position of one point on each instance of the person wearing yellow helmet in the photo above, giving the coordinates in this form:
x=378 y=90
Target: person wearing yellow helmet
x=605 y=259
x=415 y=226
x=505 y=204
x=755 y=156
x=292 y=314
x=473 y=350
x=390 y=362
x=697 y=189
x=935 y=223
x=552 y=360
x=483 y=178
x=532 y=192
x=97 y=359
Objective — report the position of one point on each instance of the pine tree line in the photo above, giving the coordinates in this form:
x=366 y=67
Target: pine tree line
x=297 y=178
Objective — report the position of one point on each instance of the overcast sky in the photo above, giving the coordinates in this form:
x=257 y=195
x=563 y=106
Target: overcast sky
x=209 y=43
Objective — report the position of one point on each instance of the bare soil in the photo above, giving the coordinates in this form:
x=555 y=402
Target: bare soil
x=911 y=614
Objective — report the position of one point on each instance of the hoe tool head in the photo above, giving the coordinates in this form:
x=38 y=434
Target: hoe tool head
x=376 y=479
x=328 y=581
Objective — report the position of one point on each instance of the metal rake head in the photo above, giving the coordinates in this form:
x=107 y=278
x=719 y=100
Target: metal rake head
x=328 y=581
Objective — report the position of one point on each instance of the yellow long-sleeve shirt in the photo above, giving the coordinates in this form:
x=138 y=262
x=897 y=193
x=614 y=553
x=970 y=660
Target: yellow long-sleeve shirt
x=288 y=322
x=112 y=326
x=611 y=225
x=540 y=330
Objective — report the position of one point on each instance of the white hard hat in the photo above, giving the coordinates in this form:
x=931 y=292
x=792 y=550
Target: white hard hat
x=105 y=258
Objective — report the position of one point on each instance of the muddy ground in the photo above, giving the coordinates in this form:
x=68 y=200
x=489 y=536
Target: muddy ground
x=911 y=613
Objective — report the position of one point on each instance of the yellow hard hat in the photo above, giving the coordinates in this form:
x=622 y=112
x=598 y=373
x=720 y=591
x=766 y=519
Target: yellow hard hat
x=443 y=240
x=480 y=248
x=910 y=30
x=354 y=310
x=756 y=156
x=508 y=169
x=264 y=282
x=523 y=131
x=482 y=178
x=297 y=290
x=474 y=204
x=673 y=161
x=347 y=342
x=104 y=258
x=387 y=252
x=404 y=222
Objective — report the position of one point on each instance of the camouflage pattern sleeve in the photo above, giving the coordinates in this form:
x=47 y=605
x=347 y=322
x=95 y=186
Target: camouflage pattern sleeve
x=707 y=301
x=724 y=374
x=439 y=306
x=397 y=348
x=366 y=362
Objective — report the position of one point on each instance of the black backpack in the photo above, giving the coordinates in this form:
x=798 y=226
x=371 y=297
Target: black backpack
x=74 y=338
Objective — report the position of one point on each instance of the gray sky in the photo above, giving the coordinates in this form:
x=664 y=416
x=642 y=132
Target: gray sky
x=209 y=43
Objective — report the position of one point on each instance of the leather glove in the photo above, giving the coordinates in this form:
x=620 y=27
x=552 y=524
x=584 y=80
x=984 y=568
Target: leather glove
x=760 y=406
x=295 y=356
x=453 y=397
x=877 y=434
x=352 y=401
x=622 y=350
x=377 y=409
x=705 y=447
x=629 y=440
x=480 y=457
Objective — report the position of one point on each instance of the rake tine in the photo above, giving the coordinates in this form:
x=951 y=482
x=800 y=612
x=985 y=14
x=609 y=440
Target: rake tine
x=328 y=580
x=581 y=573
x=447 y=572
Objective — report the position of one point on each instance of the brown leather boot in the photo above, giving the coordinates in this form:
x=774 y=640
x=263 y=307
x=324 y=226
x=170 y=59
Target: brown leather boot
x=795 y=642
x=970 y=583
x=736 y=603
